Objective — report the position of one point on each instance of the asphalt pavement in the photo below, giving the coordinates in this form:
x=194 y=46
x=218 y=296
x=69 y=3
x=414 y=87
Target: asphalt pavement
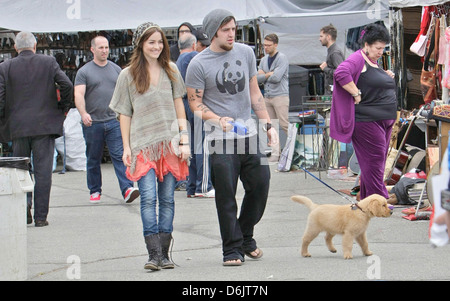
x=104 y=242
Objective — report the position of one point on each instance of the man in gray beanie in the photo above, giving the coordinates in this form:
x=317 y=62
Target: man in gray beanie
x=212 y=21
x=222 y=90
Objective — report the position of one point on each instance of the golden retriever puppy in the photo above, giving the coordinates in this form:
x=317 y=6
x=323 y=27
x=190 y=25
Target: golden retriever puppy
x=350 y=222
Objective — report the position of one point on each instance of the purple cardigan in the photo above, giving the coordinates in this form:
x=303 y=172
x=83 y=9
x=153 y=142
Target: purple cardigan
x=342 y=116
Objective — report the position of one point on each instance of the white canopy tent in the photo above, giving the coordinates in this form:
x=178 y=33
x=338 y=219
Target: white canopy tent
x=88 y=15
x=297 y=22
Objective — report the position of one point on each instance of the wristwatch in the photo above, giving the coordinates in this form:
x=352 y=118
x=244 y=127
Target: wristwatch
x=359 y=93
x=267 y=127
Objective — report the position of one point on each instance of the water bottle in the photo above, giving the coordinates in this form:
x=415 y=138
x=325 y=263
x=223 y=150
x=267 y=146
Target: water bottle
x=238 y=128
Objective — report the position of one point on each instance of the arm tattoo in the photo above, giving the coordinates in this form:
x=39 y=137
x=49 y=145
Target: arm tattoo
x=198 y=94
x=259 y=105
x=192 y=98
x=203 y=108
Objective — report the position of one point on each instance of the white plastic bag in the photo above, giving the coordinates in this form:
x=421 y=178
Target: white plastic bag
x=75 y=150
x=285 y=161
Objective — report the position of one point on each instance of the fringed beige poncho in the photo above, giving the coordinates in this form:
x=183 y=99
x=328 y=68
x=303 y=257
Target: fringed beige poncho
x=154 y=128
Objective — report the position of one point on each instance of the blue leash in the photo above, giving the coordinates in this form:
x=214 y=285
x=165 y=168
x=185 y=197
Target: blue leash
x=354 y=203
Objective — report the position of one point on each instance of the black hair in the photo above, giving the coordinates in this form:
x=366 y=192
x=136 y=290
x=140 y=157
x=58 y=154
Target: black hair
x=375 y=33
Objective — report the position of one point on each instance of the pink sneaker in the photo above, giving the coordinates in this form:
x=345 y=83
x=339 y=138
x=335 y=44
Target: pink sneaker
x=131 y=194
x=95 y=198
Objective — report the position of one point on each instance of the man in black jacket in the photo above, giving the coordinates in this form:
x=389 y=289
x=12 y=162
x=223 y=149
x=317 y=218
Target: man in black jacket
x=33 y=115
x=184 y=28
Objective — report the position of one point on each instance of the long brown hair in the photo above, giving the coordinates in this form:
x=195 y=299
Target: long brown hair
x=139 y=65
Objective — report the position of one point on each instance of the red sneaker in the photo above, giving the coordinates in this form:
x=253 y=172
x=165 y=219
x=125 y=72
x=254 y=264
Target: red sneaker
x=131 y=194
x=95 y=198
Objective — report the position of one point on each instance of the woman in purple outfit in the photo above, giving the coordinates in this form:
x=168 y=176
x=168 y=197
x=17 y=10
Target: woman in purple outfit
x=364 y=108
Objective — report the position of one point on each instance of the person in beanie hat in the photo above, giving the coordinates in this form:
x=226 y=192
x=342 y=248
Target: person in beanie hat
x=148 y=101
x=222 y=89
x=184 y=28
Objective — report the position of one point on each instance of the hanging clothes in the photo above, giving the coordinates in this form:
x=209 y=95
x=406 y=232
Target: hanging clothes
x=446 y=81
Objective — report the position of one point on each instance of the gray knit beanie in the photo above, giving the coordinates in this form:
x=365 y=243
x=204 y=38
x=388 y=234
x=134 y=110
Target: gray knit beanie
x=213 y=19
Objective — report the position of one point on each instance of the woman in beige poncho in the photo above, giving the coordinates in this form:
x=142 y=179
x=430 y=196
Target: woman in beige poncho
x=148 y=100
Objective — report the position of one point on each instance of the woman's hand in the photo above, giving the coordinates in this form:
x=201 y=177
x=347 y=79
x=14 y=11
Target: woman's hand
x=390 y=73
x=185 y=152
x=126 y=157
x=357 y=99
x=184 y=148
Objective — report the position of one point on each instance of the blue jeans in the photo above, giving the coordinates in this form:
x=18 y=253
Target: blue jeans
x=95 y=136
x=150 y=194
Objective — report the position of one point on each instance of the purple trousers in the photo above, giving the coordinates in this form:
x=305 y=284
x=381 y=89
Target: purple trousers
x=371 y=142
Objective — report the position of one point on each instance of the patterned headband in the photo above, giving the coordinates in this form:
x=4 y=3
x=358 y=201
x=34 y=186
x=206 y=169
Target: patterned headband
x=140 y=30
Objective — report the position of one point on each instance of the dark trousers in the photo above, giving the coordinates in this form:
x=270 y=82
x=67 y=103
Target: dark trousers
x=43 y=148
x=232 y=160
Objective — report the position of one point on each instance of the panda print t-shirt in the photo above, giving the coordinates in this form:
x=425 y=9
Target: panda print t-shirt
x=224 y=77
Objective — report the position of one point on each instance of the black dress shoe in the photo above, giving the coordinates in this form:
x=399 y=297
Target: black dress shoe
x=40 y=223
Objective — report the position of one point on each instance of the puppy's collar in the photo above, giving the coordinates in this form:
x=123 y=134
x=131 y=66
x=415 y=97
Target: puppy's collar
x=355 y=206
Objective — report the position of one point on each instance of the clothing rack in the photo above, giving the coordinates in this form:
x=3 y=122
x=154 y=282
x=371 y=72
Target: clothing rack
x=440 y=9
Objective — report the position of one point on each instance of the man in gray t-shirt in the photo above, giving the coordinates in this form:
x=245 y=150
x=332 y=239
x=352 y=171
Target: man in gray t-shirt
x=94 y=87
x=100 y=82
x=222 y=87
x=226 y=79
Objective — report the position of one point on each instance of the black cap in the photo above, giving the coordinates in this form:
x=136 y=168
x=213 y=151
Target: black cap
x=202 y=37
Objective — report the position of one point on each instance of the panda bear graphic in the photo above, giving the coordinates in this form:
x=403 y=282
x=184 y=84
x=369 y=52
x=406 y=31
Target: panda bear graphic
x=231 y=78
